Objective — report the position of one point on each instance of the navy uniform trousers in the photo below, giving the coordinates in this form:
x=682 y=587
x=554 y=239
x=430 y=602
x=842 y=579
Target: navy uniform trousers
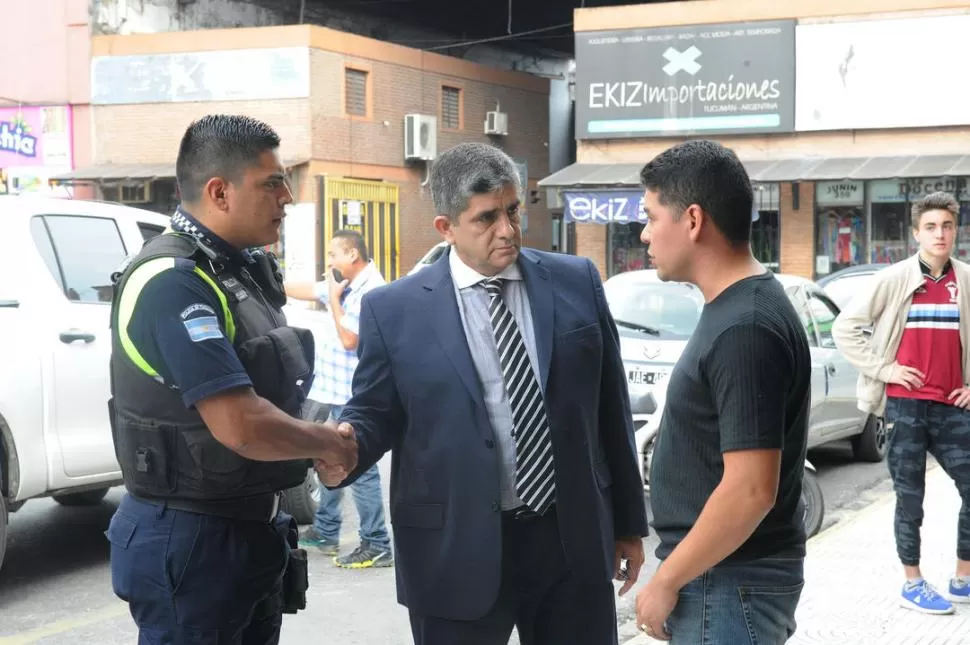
x=193 y=579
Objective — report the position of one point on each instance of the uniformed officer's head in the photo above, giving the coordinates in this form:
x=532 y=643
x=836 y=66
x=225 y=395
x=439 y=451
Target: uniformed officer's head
x=231 y=178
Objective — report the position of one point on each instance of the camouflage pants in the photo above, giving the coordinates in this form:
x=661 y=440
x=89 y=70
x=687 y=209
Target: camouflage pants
x=944 y=432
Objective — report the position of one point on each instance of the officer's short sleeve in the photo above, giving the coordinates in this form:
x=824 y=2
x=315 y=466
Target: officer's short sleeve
x=178 y=328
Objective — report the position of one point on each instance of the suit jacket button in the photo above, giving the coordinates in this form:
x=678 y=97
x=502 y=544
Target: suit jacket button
x=496 y=507
x=489 y=444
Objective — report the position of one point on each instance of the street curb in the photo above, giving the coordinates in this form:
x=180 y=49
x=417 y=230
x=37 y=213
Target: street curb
x=880 y=500
x=831 y=532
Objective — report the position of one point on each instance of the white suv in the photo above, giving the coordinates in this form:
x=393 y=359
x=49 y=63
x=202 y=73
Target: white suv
x=55 y=297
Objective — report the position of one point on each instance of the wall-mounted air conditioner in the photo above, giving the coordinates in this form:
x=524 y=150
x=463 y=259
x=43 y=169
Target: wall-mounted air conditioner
x=496 y=123
x=420 y=137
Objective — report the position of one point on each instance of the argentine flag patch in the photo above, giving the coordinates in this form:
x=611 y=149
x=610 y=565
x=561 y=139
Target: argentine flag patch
x=203 y=328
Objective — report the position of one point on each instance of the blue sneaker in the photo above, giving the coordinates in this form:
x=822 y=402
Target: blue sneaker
x=960 y=589
x=311 y=538
x=921 y=596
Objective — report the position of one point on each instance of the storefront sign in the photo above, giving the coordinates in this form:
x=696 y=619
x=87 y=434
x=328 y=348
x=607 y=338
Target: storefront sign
x=711 y=79
x=35 y=144
x=604 y=207
x=35 y=136
x=238 y=75
x=892 y=190
x=839 y=193
x=849 y=74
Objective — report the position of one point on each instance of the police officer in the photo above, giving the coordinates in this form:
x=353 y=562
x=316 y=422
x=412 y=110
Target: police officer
x=207 y=385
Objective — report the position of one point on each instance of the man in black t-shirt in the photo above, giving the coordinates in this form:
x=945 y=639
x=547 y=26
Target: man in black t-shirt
x=727 y=468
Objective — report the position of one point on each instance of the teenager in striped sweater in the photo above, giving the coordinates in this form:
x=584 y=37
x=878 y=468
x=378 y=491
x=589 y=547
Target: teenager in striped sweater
x=915 y=365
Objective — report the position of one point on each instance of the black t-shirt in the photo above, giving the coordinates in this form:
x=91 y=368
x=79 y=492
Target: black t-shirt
x=742 y=383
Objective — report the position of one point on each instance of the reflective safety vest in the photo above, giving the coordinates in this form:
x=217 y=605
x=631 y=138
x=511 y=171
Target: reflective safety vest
x=165 y=450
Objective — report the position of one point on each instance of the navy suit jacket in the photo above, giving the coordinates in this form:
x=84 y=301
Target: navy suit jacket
x=416 y=393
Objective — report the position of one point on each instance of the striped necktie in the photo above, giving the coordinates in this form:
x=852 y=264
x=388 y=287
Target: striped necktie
x=534 y=468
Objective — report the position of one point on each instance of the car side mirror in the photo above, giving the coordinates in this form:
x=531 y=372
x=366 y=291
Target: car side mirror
x=644 y=404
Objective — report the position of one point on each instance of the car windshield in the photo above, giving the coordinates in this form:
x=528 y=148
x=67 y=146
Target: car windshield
x=669 y=310
x=842 y=290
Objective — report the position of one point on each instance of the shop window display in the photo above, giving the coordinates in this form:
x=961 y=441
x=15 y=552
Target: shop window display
x=840 y=229
x=627 y=252
x=891 y=236
x=890 y=212
x=842 y=232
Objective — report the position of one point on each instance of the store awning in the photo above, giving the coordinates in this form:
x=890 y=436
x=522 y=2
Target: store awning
x=111 y=173
x=778 y=170
x=118 y=172
x=594 y=174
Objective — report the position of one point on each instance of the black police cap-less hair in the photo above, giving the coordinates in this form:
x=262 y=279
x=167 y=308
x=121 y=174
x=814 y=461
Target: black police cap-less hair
x=355 y=240
x=705 y=173
x=220 y=145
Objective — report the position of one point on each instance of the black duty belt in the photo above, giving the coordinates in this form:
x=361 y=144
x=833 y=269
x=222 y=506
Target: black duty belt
x=255 y=508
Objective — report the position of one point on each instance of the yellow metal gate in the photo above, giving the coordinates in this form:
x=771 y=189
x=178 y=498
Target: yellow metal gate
x=370 y=207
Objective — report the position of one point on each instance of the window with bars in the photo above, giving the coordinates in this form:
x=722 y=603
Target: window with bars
x=355 y=92
x=451 y=108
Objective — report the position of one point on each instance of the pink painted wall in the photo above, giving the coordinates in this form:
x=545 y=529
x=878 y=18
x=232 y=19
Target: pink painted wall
x=48 y=43
x=46 y=51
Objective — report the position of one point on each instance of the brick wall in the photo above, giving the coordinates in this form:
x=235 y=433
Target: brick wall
x=401 y=82
x=398 y=90
x=376 y=141
x=150 y=133
x=591 y=243
x=798 y=230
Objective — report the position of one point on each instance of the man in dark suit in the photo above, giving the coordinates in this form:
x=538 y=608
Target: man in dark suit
x=495 y=377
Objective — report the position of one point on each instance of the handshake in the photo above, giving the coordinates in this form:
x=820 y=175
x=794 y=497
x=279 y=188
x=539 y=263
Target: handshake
x=339 y=458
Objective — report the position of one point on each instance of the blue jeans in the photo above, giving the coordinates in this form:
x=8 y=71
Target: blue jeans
x=368 y=500
x=739 y=603
x=198 y=579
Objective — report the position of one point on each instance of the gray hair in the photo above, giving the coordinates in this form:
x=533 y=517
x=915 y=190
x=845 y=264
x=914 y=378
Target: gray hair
x=467 y=170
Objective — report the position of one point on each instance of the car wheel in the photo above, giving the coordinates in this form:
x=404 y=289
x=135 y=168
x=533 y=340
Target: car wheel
x=301 y=501
x=814 y=503
x=3 y=528
x=86 y=498
x=873 y=444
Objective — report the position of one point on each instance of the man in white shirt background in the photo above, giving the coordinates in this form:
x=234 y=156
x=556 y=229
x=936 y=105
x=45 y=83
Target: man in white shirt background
x=351 y=274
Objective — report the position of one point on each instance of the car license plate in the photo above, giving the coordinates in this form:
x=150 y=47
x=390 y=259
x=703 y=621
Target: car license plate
x=640 y=377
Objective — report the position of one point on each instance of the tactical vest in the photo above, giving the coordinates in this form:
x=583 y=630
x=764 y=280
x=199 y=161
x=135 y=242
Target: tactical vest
x=165 y=450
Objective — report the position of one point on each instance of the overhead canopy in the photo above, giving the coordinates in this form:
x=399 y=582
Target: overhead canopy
x=776 y=170
x=592 y=174
x=118 y=172
x=113 y=173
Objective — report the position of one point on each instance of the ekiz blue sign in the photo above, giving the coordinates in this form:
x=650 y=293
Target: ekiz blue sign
x=604 y=207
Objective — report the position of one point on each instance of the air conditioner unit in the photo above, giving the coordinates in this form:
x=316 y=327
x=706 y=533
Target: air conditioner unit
x=496 y=123
x=420 y=137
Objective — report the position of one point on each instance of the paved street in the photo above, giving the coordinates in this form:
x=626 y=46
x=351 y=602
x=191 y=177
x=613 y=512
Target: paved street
x=55 y=585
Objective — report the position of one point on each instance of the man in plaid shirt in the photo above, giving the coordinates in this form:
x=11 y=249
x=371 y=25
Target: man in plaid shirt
x=336 y=361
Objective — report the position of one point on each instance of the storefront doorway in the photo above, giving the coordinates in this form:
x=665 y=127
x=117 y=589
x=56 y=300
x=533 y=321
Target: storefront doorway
x=840 y=226
x=765 y=226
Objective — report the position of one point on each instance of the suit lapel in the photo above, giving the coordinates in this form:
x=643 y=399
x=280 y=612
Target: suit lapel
x=445 y=319
x=538 y=284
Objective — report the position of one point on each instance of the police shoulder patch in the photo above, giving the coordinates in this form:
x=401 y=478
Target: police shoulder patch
x=201 y=327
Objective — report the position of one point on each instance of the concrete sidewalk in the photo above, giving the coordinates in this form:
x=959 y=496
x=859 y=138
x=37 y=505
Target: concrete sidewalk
x=853 y=578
